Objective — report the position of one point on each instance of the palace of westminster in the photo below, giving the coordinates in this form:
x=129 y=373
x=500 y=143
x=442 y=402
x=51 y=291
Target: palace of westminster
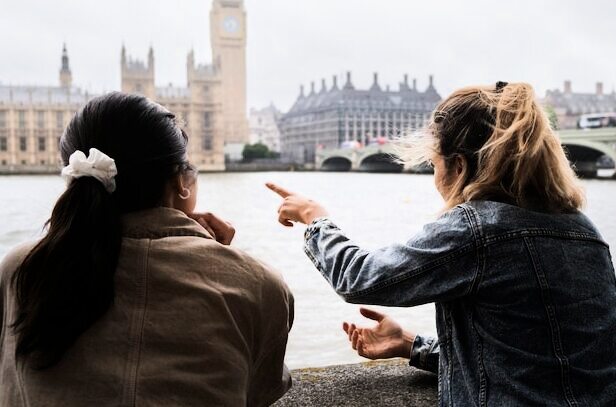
x=212 y=106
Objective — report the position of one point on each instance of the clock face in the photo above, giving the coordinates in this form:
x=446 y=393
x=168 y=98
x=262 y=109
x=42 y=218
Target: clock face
x=230 y=24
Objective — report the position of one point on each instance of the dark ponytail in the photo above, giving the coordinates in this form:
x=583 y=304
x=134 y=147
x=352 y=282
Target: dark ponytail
x=66 y=282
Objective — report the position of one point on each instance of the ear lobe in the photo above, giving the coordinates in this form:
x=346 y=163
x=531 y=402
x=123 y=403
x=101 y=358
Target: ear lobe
x=178 y=184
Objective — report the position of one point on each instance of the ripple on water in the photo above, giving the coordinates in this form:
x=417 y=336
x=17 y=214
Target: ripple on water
x=373 y=209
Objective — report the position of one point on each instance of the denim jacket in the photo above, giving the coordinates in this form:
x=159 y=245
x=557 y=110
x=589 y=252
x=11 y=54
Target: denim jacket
x=525 y=301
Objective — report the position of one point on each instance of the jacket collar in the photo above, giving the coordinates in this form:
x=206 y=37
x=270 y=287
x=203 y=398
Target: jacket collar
x=156 y=223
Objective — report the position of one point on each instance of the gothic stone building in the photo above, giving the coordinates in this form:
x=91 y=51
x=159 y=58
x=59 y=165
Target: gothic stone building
x=336 y=117
x=32 y=120
x=212 y=105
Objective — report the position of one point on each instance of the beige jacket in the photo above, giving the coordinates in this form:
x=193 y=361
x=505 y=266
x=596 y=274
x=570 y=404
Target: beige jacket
x=194 y=323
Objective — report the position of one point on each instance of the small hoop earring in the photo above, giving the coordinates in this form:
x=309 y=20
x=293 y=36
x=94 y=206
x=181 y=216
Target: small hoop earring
x=186 y=194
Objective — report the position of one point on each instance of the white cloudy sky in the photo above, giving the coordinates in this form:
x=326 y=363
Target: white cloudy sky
x=297 y=41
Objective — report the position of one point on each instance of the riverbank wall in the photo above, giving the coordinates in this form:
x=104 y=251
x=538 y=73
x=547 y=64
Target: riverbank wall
x=380 y=383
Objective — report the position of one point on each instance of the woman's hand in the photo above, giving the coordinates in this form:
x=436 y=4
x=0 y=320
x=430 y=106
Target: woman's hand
x=385 y=340
x=296 y=208
x=222 y=231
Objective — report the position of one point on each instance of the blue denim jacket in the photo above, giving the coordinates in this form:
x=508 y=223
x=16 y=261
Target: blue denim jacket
x=525 y=301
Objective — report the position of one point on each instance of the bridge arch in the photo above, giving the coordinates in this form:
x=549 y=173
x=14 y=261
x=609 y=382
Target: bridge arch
x=380 y=162
x=337 y=163
x=585 y=153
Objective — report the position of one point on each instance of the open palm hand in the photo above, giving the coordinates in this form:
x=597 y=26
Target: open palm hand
x=385 y=340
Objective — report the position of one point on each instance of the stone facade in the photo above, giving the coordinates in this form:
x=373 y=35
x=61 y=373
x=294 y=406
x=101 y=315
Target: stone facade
x=32 y=120
x=264 y=129
x=341 y=116
x=211 y=107
x=569 y=106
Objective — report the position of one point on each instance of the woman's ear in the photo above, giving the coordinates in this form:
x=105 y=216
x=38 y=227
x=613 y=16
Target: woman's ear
x=460 y=164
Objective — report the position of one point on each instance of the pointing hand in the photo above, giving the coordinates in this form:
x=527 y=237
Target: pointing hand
x=296 y=208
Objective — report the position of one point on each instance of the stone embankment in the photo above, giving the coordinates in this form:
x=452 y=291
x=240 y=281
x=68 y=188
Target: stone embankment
x=381 y=383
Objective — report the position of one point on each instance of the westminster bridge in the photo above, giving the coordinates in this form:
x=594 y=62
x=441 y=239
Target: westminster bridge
x=588 y=150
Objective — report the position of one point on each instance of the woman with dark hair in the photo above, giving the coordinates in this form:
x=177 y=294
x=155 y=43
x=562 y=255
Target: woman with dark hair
x=130 y=297
x=523 y=282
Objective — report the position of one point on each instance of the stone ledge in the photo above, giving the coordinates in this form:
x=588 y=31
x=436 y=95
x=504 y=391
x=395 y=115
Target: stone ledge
x=380 y=383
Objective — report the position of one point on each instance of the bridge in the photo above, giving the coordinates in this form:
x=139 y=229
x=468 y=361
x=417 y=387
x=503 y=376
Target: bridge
x=588 y=150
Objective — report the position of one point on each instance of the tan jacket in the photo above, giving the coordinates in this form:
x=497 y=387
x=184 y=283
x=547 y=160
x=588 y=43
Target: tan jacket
x=194 y=323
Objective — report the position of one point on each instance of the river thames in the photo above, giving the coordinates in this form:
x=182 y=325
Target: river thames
x=374 y=209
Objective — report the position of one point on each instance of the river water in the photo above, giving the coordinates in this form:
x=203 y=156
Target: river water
x=374 y=210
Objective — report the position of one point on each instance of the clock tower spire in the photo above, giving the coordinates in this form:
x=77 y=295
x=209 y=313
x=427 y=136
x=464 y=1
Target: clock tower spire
x=228 y=36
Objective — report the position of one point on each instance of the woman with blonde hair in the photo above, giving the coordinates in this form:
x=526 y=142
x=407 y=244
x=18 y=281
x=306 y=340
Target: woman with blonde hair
x=523 y=282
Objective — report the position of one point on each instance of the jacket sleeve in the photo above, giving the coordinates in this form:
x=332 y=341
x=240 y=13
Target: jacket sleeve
x=425 y=353
x=270 y=378
x=438 y=264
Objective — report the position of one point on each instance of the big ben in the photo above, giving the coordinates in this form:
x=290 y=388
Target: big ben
x=228 y=39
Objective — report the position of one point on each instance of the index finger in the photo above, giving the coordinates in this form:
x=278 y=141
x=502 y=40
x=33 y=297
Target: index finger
x=279 y=190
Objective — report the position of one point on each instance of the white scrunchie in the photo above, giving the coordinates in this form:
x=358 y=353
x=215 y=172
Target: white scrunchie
x=97 y=165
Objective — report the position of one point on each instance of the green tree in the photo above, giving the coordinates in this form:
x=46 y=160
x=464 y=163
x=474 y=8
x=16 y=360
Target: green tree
x=549 y=110
x=256 y=151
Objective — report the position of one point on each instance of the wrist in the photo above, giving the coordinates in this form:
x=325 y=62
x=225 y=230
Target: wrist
x=406 y=347
x=313 y=213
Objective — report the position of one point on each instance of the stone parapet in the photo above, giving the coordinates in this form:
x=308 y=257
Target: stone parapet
x=380 y=383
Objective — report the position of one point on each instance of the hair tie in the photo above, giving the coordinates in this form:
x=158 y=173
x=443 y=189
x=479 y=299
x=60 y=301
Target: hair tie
x=500 y=85
x=97 y=165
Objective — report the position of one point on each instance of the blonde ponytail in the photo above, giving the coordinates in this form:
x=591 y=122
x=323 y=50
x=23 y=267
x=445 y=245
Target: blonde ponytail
x=510 y=152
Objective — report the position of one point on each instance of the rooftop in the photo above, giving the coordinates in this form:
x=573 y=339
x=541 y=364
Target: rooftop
x=574 y=103
x=43 y=95
x=172 y=92
x=406 y=97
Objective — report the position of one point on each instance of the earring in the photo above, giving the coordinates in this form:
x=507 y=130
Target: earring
x=186 y=195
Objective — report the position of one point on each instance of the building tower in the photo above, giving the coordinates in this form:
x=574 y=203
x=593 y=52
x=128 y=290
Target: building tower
x=66 y=78
x=138 y=77
x=228 y=36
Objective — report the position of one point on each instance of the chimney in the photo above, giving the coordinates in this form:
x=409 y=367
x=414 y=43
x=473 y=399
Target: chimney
x=567 y=88
x=414 y=84
x=375 y=86
x=312 y=88
x=348 y=84
x=323 y=85
x=406 y=80
x=335 y=82
x=599 y=88
x=431 y=81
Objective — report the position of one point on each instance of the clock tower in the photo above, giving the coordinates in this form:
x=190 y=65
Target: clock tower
x=228 y=36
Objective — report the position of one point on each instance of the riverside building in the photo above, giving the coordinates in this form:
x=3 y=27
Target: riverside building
x=211 y=107
x=264 y=129
x=569 y=106
x=334 y=116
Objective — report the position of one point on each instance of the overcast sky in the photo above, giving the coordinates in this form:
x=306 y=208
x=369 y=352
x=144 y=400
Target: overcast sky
x=296 y=41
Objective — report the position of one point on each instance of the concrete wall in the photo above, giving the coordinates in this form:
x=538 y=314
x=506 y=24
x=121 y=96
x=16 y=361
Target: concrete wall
x=381 y=383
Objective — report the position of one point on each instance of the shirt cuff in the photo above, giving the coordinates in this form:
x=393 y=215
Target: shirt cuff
x=422 y=347
x=314 y=226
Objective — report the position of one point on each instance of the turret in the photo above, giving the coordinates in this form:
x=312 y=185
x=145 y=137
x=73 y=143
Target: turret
x=375 y=83
x=151 y=59
x=348 y=85
x=323 y=86
x=334 y=83
x=66 y=78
